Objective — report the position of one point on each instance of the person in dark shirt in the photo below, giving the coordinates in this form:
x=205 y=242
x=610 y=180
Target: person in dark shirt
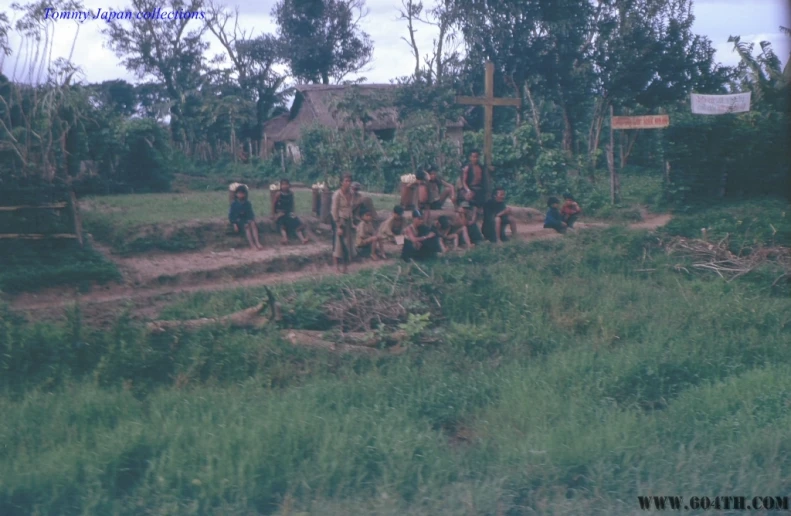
x=473 y=181
x=420 y=242
x=553 y=218
x=496 y=217
x=283 y=212
x=243 y=219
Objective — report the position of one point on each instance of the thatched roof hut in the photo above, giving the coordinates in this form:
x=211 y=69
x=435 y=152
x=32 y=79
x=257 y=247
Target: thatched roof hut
x=318 y=104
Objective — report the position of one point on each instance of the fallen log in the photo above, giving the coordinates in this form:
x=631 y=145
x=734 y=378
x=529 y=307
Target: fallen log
x=249 y=318
x=254 y=318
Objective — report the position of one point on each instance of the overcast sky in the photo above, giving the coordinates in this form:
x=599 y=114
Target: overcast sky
x=754 y=21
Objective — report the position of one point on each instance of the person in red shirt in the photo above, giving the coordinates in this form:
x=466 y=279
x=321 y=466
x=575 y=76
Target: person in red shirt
x=570 y=210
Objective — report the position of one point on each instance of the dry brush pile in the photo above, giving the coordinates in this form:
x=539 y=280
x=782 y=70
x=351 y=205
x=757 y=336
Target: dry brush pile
x=384 y=315
x=719 y=259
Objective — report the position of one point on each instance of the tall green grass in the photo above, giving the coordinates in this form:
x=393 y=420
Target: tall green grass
x=568 y=381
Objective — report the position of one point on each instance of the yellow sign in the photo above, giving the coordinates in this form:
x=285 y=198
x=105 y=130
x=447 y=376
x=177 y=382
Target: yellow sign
x=640 y=122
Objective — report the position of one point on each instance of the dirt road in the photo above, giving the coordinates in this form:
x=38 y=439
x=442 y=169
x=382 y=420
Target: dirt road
x=152 y=281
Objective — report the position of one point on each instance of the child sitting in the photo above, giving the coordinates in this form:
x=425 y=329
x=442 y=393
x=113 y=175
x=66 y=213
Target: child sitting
x=570 y=210
x=446 y=234
x=496 y=218
x=368 y=243
x=283 y=212
x=467 y=215
x=393 y=226
x=243 y=219
x=553 y=218
x=420 y=243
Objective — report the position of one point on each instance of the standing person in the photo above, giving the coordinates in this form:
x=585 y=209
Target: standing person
x=496 y=217
x=368 y=243
x=439 y=190
x=553 y=218
x=393 y=226
x=283 y=212
x=243 y=219
x=473 y=180
x=423 y=197
x=570 y=210
x=342 y=206
x=420 y=242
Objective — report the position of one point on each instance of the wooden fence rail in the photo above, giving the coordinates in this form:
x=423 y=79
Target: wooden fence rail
x=71 y=206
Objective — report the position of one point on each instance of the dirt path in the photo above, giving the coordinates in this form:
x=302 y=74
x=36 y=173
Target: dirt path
x=207 y=271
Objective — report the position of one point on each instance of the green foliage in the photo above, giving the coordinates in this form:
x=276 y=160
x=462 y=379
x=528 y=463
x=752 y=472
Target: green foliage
x=376 y=164
x=145 y=159
x=747 y=224
x=544 y=345
x=33 y=265
x=729 y=155
x=322 y=39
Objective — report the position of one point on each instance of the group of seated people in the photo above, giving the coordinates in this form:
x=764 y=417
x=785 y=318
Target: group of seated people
x=353 y=215
x=424 y=237
x=242 y=217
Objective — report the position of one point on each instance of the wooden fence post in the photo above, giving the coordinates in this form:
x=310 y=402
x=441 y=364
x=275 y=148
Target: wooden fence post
x=75 y=215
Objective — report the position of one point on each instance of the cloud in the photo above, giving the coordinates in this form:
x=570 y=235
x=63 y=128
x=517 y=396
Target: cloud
x=392 y=57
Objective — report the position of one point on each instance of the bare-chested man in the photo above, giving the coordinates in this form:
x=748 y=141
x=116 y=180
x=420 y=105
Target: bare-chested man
x=473 y=181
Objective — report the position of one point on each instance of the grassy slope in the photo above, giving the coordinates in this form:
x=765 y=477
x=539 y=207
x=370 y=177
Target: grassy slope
x=578 y=381
x=144 y=222
x=30 y=265
x=142 y=209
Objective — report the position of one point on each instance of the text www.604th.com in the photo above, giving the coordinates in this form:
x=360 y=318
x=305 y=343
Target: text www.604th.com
x=714 y=503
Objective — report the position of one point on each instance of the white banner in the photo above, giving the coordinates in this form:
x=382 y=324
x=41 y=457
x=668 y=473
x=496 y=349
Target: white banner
x=720 y=104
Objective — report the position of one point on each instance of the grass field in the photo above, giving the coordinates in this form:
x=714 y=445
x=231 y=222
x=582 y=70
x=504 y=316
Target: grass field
x=569 y=377
x=178 y=221
x=31 y=265
x=143 y=209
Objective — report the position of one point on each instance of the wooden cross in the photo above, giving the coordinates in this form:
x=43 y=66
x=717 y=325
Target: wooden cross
x=488 y=101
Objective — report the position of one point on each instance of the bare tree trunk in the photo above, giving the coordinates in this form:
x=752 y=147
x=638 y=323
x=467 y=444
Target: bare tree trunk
x=594 y=134
x=626 y=152
x=611 y=162
x=408 y=16
x=568 y=131
x=534 y=113
x=518 y=93
x=233 y=141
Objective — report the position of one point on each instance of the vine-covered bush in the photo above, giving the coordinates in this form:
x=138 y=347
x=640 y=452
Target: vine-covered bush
x=728 y=156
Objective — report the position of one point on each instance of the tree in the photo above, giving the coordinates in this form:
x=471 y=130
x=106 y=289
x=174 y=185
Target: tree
x=443 y=61
x=322 y=39
x=645 y=58
x=763 y=74
x=252 y=62
x=169 y=50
